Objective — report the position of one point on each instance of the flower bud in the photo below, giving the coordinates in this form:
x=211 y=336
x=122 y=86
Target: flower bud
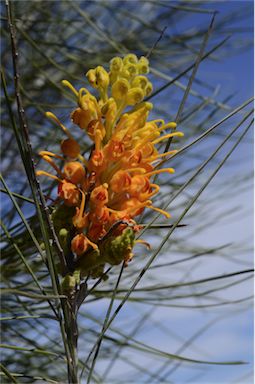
x=103 y=78
x=115 y=149
x=143 y=65
x=99 y=215
x=98 y=77
x=147 y=150
x=81 y=117
x=139 y=184
x=99 y=195
x=120 y=248
x=69 y=193
x=80 y=244
x=68 y=283
x=97 y=161
x=91 y=76
x=130 y=58
x=131 y=69
x=134 y=96
x=120 y=181
x=140 y=82
x=70 y=148
x=148 y=89
x=74 y=172
x=120 y=89
x=116 y=64
x=96 y=231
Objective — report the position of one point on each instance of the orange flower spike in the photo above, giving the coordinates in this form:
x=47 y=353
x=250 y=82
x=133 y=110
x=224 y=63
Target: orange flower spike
x=99 y=195
x=74 y=172
x=70 y=148
x=69 y=193
x=81 y=243
x=120 y=181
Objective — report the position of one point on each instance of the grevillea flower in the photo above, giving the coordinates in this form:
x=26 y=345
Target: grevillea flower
x=100 y=196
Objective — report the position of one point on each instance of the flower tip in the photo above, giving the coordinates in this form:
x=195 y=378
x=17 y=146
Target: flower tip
x=67 y=84
x=171 y=170
x=51 y=116
x=149 y=106
x=172 y=125
x=142 y=242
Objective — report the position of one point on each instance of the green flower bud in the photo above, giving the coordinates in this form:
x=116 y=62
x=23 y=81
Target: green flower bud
x=68 y=283
x=116 y=250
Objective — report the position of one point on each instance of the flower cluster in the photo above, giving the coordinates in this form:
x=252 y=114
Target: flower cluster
x=99 y=196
